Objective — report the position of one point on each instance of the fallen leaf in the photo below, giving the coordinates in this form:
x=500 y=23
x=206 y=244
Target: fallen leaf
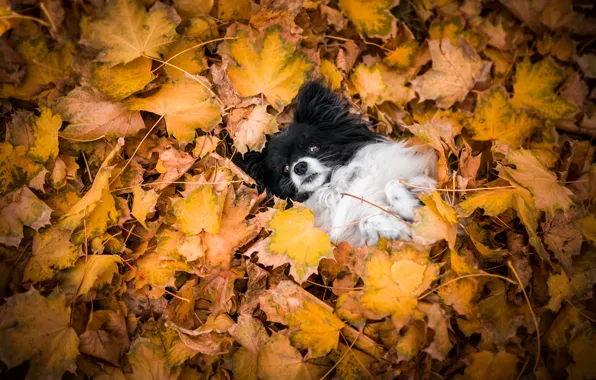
x=121 y=81
x=106 y=336
x=93 y=116
x=249 y=129
x=558 y=290
x=534 y=87
x=186 y=105
x=435 y=222
x=199 y=211
x=311 y=324
x=148 y=360
x=41 y=333
x=294 y=240
x=51 y=251
x=126 y=31
x=496 y=119
x=372 y=18
x=378 y=84
x=278 y=359
x=488 y=365
x=456 y=69
x=18 y=209
x=16 y=168
x=90 y=273
x=266 y=65
x=143 y=203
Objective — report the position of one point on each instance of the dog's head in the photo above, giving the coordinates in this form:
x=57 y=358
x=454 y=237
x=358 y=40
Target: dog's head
x=301 y=158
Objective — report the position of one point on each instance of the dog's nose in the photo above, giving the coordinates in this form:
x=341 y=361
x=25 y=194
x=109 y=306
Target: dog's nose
x=301 y=168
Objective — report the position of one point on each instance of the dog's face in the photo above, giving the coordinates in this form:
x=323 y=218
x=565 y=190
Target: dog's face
x=301 y=158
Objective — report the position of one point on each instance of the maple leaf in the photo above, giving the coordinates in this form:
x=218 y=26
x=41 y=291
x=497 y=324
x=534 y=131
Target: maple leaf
x=106 y=336
x=123 y=80
x=267 y=65
x=205 y=145
x=148 y=361
x=126 y=31
x=21 y=208
x=372 y=18
x=44 y=129
x=332 y=74
x=495 y=119
x=250 y=333
x=16 y=168
x=438 y=321
x=488 y=365
x=90 y=273
x=158 y=270
x=185 y=105
x=45 y=69
x=51 y=251
x=436 y=221
x=143 y=203
x=92 y=198
x=211 y=338
x=41 y=333
x=403 y=56
x=278 y=359
x=378 y=84
x=393 y=282
x=249 y=128
x=530 y=173
x=588 y=227
x=172 y=165
x=98 y=220
x=181 y=60
x=93 y=115
x=295 y=240
x=198 y=211
x=558 y=290
x=234 y=230
x=534 y=86
x=312 y=324
x=455 y=71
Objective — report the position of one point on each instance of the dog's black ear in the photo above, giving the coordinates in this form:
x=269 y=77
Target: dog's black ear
x=254 y=164
x=318 y=105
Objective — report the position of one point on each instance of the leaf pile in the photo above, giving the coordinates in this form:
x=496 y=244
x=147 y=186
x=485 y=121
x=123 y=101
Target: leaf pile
x=132 y=247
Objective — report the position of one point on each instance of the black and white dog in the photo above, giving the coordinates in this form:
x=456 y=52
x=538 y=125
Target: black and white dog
x=328 y=152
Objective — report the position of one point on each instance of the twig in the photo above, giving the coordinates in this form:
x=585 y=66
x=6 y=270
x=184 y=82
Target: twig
x=532 y=312
x=190 y=48
x=34 y=19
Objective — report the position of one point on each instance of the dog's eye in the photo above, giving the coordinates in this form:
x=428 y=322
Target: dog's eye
x=286 y=169
x=314 y=148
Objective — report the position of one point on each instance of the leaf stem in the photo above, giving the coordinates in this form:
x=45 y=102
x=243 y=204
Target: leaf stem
x=466 y=276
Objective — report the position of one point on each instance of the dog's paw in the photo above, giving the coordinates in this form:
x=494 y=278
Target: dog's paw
x=384 y=225
x=401 y=200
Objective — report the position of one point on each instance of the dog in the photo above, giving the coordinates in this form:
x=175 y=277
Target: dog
x=346 y=174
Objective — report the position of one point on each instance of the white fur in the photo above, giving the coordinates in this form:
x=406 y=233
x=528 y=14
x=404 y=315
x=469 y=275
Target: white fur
x=315 y=167
x=373 y=174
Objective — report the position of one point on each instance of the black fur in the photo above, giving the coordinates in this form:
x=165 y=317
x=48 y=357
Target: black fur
x=321 y=119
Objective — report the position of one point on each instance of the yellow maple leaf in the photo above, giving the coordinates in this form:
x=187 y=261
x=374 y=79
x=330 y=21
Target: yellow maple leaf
x=91 y=199
x=90 y=273
x=41 y=333
x=372 y=18
x=192 y=60
x=267 y=65
x=16 y=168
x=44 y=67
x=436 y=221
x=185 y=104
x=51 y=251
x=99 y=219
x=123 y=80
x=588 y=227
x=455 y=71
x=199 y=211
x=45 y=135
x=250 y=132
x=393 y=282
x=295 y=240
x=490 y=366
x=21 y=208
x=403 y=56
x=312 y=324
x=495 y=119
x=279 y=359
x=530 y=173
x=126 y=31
x=158 y=270
x=93 y=115
x=234 y=10
x=143 y=203
x=332 y=74
x=558 y=290
x=148 y=360
x=534 y=87
x=234 y=230
x=204 y=145
x=378 y=84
